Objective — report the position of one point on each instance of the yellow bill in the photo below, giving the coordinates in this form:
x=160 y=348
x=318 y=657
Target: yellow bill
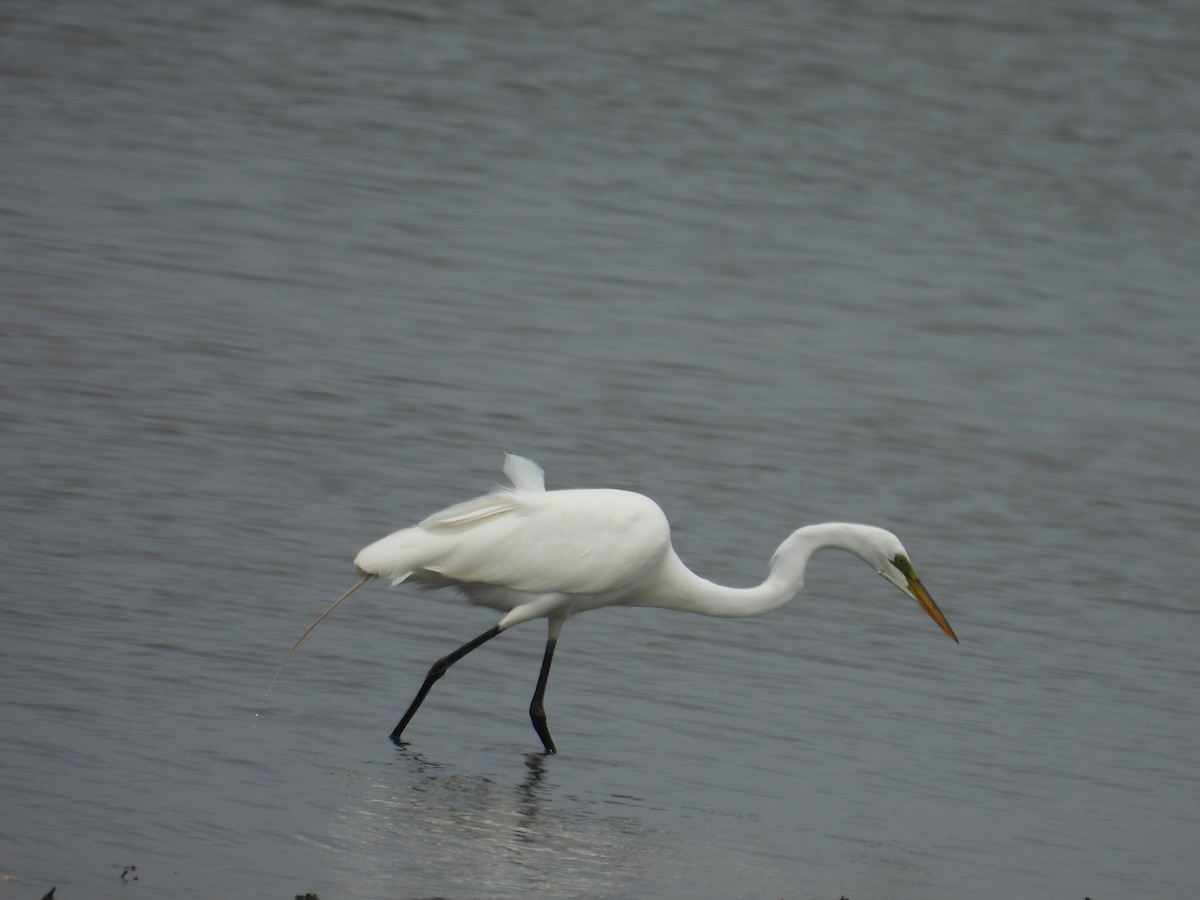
x=922 y=596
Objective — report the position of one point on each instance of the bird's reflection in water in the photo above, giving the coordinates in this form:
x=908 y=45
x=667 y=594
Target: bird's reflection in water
x=530 y=792
x=429 y=826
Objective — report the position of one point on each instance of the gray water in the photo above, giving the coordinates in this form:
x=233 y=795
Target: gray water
x=280 y=277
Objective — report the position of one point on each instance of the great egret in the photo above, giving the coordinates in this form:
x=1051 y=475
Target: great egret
x=537 y=554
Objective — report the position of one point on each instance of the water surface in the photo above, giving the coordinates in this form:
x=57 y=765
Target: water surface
x=280 y=277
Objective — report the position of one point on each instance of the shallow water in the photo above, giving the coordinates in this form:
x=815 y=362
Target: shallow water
x=280 y=277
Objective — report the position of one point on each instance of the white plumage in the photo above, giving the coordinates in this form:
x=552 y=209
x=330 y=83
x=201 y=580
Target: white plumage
x=531 y=553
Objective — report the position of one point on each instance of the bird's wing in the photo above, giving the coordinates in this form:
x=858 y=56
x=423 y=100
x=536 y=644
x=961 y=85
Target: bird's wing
x=471 y=511
x=398 y=555
x=531 y=541
x=575 y=542
x=526 y=477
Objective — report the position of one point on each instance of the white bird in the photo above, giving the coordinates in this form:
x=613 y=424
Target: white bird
x=537 y=554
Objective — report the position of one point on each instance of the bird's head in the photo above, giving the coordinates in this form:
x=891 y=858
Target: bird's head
x=897 y=568
x=883 y=552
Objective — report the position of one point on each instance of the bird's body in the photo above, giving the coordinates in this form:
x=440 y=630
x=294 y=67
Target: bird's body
x=550 y=550
x=530 y=553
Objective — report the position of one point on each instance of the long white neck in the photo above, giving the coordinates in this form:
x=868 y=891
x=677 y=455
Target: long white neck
x=682 y=589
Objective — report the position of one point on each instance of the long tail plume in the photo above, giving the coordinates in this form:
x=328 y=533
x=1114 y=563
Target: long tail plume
x=321 y=618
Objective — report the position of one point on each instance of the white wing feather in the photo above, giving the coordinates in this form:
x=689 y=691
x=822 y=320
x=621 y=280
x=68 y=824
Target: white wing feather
x=525 y=475
x=526 y=540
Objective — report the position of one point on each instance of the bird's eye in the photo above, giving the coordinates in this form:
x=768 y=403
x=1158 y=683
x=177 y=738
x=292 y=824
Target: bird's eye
x=900 y=561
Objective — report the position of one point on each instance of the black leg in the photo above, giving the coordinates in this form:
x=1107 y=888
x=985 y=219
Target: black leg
x=537 y=712
x=438 y=670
